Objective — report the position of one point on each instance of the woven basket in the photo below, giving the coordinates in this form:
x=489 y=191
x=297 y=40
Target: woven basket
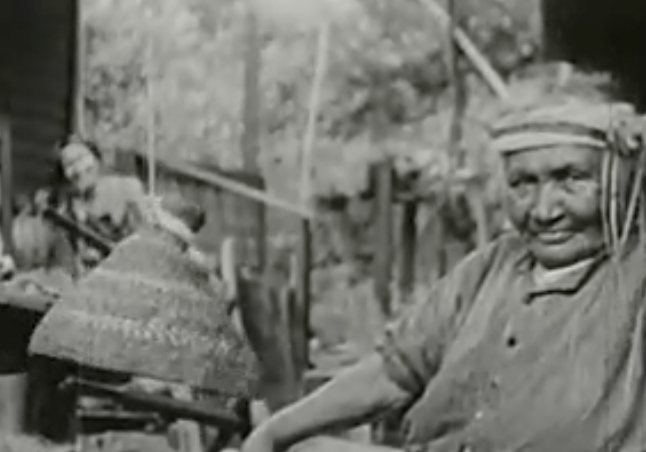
x=149 y=310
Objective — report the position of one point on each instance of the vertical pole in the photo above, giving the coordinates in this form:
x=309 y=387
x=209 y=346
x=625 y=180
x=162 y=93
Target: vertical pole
x=459 y=88
x=383 y=184
x=302 y=304
x=251 y=101
x=250 y=139
x=408 y=241
x=76 y=94
x=81 y=71
x=151 y=120
x=384 y=245
x=473 y=193
x=6 y=172
x=263 y=312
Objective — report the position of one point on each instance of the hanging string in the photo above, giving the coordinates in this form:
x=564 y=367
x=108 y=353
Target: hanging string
x=622 y=204
x=323 y=44
x=614 y=203
x=606 y=168
x=633 y=208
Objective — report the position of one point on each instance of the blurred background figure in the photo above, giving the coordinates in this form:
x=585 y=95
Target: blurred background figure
x=48 y=258
x=108 y=204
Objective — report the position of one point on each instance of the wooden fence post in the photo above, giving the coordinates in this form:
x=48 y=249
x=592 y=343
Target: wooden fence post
x=384 y=236
x=250 y=139
x=408 y=241
x=301 y=305
x=266 y=324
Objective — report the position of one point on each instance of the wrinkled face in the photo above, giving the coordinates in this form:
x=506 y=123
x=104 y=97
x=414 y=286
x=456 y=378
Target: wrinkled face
x=80 y=167
x=554 y=200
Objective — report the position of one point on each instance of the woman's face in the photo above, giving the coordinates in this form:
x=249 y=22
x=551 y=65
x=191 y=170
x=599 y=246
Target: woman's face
x=80 y=167
x=554 y=200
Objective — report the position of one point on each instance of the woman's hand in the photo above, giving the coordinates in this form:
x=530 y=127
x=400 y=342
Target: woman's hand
x=260 y=440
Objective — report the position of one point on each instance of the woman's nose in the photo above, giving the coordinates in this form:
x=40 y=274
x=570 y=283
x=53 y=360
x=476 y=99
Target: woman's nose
x=547 y=206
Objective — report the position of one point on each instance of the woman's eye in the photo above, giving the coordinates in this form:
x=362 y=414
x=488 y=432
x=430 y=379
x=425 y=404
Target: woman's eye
x=522 y=189
x=521 y=182
x=573 y=180
x=571 y=175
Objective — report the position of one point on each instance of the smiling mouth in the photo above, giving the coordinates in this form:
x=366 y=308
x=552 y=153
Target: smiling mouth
x=553 y=237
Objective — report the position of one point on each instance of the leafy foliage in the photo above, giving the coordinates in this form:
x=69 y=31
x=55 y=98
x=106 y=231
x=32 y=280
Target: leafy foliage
x=169 y=47
x=388 y=88
x=388 y=71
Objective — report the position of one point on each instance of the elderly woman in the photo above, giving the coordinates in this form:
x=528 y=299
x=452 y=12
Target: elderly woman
x=535 y=343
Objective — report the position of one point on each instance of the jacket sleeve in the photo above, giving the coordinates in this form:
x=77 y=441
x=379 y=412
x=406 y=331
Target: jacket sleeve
x=413 y=345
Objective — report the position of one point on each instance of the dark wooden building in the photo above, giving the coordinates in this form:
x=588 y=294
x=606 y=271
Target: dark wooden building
x=38 y=49
x=602 y=35
x=37 y=82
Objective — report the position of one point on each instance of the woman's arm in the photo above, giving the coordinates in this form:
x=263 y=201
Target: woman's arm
x=410 y=355
x=356 y=396
x=327 y=444
x=135 y=214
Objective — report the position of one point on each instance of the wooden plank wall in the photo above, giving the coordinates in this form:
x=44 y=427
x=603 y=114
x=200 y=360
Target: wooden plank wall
x=37 y=47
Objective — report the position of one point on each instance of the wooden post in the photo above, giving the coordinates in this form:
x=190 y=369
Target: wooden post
x=408 y=238
x=301 y=306
x=151 y=122
x=384 y=245
x=251 y=101
x=263 y=310
x=473 y=191
x=81 y=70
x=459 y=89
x=6 y=172
x=76 y=99
x=302 y=303
x=250 y=140
x=264 y=304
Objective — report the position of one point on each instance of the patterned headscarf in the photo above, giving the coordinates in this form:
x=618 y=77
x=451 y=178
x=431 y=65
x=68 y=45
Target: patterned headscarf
x=615 y=128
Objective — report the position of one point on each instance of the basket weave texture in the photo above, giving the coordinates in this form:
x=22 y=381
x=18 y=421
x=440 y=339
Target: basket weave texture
x=149 y=310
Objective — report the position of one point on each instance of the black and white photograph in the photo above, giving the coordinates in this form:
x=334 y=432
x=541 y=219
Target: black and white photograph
x=322 y=226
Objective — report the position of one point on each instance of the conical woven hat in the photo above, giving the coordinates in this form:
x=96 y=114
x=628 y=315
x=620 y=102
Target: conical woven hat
x=150 y=310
